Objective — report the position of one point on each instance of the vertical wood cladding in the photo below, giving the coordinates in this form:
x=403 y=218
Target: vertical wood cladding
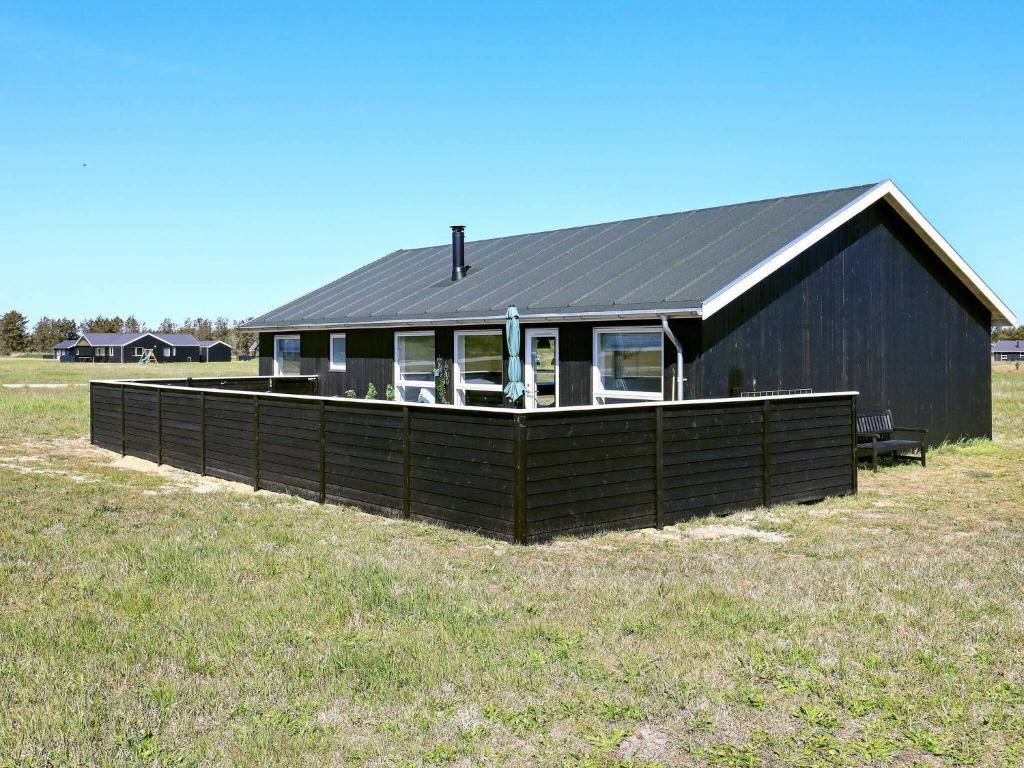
x=561 y=471
x=869 y=308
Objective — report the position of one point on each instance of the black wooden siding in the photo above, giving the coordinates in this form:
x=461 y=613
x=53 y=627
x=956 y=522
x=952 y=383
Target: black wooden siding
x=512 y=475
x=182 y=354
x=868 y=308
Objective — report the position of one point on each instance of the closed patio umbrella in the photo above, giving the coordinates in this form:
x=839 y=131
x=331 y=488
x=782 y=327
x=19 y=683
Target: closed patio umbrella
x=514 y=388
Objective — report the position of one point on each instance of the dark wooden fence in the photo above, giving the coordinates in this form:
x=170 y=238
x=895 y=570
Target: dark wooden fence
x=522 y=476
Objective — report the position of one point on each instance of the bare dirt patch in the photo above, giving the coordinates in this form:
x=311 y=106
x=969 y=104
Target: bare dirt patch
x=178 y=479
x=721 y=531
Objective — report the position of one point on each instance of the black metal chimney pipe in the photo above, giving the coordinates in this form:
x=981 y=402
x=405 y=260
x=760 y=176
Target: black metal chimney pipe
x=459 y=267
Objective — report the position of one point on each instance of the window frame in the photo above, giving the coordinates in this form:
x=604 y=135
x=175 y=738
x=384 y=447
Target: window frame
x=100 y=351
x=331 y=364
x=598 y=392
x=399 y=382
x=285 y=337
x=460 y=388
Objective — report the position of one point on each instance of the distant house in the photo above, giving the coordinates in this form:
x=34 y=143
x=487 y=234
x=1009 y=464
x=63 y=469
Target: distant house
x=65 y=350
x=132 y=347
x=214 y=351
x=1008 y=349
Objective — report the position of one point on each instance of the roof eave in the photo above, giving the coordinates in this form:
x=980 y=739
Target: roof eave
x=526 y=317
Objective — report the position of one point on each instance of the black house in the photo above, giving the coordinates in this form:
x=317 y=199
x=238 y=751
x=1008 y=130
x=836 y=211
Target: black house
x=830 y=291
x=132 y=347
x=1007 y=350
x=214 y=351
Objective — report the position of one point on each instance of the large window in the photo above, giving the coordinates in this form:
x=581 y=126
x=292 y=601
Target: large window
x=477 y=371
x=287 y=360
x=627 y=365
x=101 y=351
x=339 y=352
x=414 y=367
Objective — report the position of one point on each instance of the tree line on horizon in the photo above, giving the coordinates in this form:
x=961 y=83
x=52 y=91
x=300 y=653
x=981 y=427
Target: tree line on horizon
x=16 y=336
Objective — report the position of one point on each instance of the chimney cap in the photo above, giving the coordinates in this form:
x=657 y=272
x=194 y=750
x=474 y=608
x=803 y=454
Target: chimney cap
x=458 y=227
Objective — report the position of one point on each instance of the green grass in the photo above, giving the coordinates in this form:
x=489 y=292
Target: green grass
x=143 y=622
x=19 y=370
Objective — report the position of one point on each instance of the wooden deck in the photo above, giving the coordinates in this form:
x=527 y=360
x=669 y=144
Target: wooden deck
x=521 y=476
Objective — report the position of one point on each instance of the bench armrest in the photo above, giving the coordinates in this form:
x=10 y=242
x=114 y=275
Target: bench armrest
x=869 y=435
x=919 y=430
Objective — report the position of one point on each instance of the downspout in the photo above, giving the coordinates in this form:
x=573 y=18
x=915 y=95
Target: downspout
x=679 y=357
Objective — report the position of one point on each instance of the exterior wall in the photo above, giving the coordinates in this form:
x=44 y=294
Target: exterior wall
x=871 y=309
x=218 y=353
x=371 y=355
x=1007 y=356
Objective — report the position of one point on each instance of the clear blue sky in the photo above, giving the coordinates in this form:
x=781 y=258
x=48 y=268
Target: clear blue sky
x=193 y=159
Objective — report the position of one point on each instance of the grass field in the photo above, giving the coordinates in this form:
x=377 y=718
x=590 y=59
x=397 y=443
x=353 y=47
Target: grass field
x=157 y=618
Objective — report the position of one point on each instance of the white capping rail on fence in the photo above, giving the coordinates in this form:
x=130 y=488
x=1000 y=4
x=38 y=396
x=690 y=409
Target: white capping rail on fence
x=518 y=475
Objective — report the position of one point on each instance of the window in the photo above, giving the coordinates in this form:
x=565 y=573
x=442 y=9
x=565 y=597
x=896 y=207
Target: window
x=110 y=351
x=167 y=351
x=477 y=371
x=339 y=354
x=1005 y=357
x=628 y=365
x=101 y=351
x=414 y=367
x=287 y=360
x=136 y=351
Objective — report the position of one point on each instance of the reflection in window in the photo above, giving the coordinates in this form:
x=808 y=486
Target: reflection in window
x=478 y=364
x=628 y=365
x=414 y=367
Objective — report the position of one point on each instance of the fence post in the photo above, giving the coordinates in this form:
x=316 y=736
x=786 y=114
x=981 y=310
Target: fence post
x=659 y=468
x=766 y=451
x=255 y=442
x=159 y=426
x=406 y=464
x=202 y=433
x=853 y=438
x=122 y=419
x=323 y=452
x=519 y=522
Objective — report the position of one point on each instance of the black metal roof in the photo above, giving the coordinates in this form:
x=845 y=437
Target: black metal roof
x=669 y=263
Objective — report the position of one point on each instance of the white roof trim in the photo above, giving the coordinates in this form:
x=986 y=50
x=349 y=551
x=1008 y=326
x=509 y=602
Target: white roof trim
x=891 y=193
x=545 y=317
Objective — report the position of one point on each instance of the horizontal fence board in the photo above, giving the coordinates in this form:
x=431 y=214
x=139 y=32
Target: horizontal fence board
x=455 y=498
x=619 y=518
x=428 y=442
x=458 y=453
x=459 y=518
x=552 y=470
x=586 y=455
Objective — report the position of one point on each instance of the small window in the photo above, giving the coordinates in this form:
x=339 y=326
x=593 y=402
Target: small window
x=414 y=367
x=339 y=353
x=628 y=365
x=1006 y=357
x=101 y=351
x=110 y=351
x=167 y=351
x=136 y=351
x=287 y=357
x=477 y=371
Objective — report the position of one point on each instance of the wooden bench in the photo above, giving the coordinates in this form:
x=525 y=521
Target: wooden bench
x=876 y=436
